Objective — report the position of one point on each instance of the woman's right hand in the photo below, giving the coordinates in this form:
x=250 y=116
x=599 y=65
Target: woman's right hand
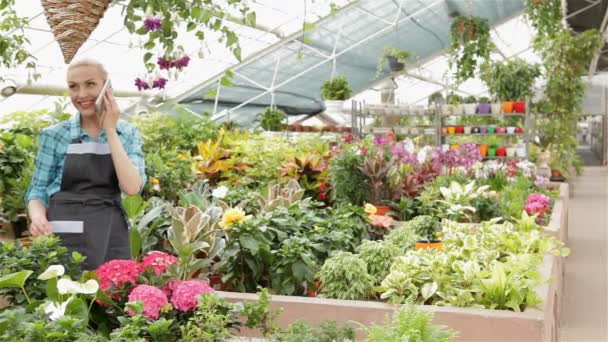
x=40 y=226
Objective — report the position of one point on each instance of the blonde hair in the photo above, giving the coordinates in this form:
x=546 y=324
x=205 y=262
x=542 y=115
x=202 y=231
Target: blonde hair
x=91 y=63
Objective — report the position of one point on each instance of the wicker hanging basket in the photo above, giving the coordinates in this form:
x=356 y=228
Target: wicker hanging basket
x=73 y=21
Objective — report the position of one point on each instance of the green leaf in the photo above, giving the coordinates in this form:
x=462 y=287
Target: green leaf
x=191 y=26
x=226 y=82
x=16 y=279
x=250 y=19
x=210 y=94
x=135 y=242
x=250 y=243
x=51 y=289
x=300 y=270
x=78 y=308
x=307 y=40
x=134 y=206
x=147 y=56
x=308 y=26
x=231 y=39
x=196 y=12
x=237 y=53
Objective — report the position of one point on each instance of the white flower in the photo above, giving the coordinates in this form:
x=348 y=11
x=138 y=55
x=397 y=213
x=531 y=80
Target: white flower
x=409 y=146
x=53 y=271
x=219 y=192
x=56 y=311
x=423 y=154
x=65 y=286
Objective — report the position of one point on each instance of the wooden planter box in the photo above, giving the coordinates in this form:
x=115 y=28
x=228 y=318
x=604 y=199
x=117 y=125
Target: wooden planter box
x=532 y=325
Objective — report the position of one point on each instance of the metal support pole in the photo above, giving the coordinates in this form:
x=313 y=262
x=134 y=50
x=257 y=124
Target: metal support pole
x=217 y=96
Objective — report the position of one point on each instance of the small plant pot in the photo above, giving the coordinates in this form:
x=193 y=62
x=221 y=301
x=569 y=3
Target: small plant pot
x=511 y=151
x=444 y=130
x=470 y=108
x=484 y=108
x=501 y=130
x=333 y=107
x=437 y=244
x=454 y=147
x=475 y=130
x=511 y=130
x=483 y=130
x=519 y=130
x=491 y=130
x=467 y=130
x=501 y=152
x=394 y=64
x=459 y=129
x=492 y=152
x=451 y=129
x=445 y=147
x=483 y=150
x=313 y=289
x=458 y=109
x=521 y=151
x=507 y=107
x=496 y=108
x=519 y=107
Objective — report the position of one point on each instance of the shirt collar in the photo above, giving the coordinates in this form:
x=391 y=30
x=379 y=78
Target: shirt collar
x=76 y=130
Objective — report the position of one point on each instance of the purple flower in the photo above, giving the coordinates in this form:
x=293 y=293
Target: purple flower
x=182 y=62
x=153 y=24
x=164 y=63
x=540 y=180
x=160 y=83
x=380 y=140
x=141 y=84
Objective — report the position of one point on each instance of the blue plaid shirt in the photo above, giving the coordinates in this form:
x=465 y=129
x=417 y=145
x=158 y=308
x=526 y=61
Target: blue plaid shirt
x=52 y=148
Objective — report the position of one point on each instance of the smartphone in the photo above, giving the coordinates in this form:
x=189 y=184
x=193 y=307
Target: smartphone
x=99 y=106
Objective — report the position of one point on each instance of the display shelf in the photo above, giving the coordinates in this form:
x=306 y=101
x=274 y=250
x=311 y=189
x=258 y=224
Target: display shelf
x=486 y=115
x=503 y=157
x=483 y=134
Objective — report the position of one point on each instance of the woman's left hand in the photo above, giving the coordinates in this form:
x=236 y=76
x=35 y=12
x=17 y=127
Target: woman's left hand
x=109 y=117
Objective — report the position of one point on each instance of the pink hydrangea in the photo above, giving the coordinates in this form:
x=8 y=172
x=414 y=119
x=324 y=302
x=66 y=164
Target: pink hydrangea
x=184 y=296
x=152 y=297
x=159 y=261
x=381 y=221
x=170 y=287
x=537 y=204
x=118 y=273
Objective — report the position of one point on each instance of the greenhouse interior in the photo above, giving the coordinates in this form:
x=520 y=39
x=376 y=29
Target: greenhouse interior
x=304 y=170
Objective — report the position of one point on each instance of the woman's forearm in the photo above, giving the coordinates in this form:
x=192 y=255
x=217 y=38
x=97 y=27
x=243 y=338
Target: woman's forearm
x=36 y=209
x=128 y=177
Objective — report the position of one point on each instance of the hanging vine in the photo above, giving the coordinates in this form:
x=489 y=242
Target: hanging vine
x=13 y=40
x=471 y=46
x=546 y=16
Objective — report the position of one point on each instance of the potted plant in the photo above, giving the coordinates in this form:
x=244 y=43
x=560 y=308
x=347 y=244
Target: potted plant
x=456 y=102
x=344 y=276
x=427 y=228
x=436 y=99
x=470 y=105
x=271 y=119
x=510 y=80
x=471 y=44
x=381 y=174
x=334 y=92
x=485 y=107
x=397 y=59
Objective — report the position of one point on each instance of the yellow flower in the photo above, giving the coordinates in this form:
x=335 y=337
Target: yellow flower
x=231 y=216
x=370 y=209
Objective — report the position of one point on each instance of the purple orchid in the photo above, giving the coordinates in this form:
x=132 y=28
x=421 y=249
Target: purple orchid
x=182 y=62
x=164 y=64
x=160 y=83
x=141 y=84
x=153 y=24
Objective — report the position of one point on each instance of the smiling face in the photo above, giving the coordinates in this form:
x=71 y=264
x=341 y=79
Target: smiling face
x=84 y=84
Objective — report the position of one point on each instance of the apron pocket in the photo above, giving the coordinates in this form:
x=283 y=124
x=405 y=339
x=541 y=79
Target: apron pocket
x=71 y=234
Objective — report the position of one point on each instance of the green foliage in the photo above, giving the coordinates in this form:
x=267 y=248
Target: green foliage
x=336 y=89
x=436 y=98
x=379 y=256
x=13 y=40
x=272 y=119
x=212 y=321
x=546 y=16
x=259 y=315
x=401 y=56
x=470 y=47
x=198 y=15
x=426 y=227
x=403 y=237
x=345 y=276
x=410 y=323
x=173 y=171
x=181 y=132
x=44 y=252
x=348 y=182
x=513 y=198
x=16 y=169
x=510 y=80
x=302 y=332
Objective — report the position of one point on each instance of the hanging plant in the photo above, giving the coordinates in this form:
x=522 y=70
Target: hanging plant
x=13 y=40
x=159 y=21
x=397 y=59
x=510 y=80
x=471 y=45
x=546 y=16
x=336 y=89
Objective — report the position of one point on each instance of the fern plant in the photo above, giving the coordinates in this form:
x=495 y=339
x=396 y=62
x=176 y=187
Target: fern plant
x=336 y=89
x=412 y=324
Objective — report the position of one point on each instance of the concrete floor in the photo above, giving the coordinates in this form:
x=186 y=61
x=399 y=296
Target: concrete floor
x=585 y=301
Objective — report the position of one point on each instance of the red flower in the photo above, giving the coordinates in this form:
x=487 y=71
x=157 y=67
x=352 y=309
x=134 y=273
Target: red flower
x=118 y=273
x=364 y=150
x=322 y=186
x=159 y=261
x=184 y=296
x=323 y=196
x=152 y=297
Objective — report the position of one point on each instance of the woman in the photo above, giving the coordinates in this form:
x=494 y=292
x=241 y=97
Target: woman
x=82 y=165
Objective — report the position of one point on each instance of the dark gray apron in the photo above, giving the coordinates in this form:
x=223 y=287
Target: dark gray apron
x=87 y=212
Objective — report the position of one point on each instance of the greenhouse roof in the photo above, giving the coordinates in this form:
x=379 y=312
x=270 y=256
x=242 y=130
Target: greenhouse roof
x=282 y=64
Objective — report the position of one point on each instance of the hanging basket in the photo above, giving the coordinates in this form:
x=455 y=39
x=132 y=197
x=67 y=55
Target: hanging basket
x=73 y=21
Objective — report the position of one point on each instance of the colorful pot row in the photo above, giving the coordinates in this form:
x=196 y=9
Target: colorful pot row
x=481 y=130
x=485 y=108
x=493 y=151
